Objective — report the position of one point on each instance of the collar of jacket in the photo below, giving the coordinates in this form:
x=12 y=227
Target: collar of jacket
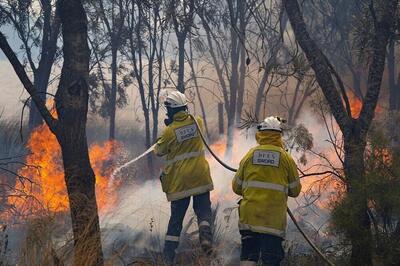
x=268 y=137
x=180 y=116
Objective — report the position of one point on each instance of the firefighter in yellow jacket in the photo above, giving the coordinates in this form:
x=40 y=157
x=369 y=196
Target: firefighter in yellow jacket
x=186 y=173
x=267 y=175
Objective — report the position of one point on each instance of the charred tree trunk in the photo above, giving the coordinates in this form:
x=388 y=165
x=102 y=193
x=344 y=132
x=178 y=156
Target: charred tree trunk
x=181 y=62
x=291 y=111
x=242 y=67
x=394 y=87
x=40 y=82
x=72 y=106
x=354 y=130
x=357 y=83
x=260 y=94
x=231 y=107
x=113 y=96
x=70 y=128
x=148 y=139
x=182 y=22
x=221 y=118
x=360 y=235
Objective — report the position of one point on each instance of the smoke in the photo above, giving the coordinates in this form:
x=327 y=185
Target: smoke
x=141 y=217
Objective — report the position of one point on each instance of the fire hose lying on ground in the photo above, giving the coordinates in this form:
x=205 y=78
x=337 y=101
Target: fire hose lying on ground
x=233 y=170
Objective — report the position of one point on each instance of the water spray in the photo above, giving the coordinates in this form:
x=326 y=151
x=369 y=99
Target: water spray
x=233 y=170
x=288 y=210
x=132 y=161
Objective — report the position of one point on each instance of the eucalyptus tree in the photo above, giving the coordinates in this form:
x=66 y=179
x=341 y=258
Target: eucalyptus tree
x=181 y=14
x=224 y=24
x=69 y=127
x=108 y=35
x=37 y=25
x=146 y=29
x=381 y=17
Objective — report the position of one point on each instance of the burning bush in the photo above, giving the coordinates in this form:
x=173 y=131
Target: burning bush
x=47 y=191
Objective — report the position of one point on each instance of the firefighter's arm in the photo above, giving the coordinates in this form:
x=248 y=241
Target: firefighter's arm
x=239 y=176
x=293 y=178
x=161 y=148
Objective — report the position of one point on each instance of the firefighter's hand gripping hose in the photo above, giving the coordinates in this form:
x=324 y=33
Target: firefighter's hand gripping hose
x=288 y=210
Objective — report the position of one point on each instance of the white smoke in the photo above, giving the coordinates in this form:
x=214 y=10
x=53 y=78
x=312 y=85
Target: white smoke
x=142 y=215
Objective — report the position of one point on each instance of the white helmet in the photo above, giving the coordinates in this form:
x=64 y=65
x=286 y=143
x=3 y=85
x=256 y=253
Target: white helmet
x=175 y=99
x=271 y=123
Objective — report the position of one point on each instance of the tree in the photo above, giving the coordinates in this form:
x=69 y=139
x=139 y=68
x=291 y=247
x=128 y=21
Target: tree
x=194 y=78
x=394 y=85
x=108 y=21
x=70 y=128
x=354 y=130
x=181 y=14
x=145 y=51
x=38 y=31
x=225 y=26
x=329 y=25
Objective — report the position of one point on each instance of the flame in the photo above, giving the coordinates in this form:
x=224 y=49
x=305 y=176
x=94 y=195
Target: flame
x=44 y=168
x=356 y=105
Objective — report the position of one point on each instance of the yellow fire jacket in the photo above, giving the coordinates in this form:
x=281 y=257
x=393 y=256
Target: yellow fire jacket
x=267 y=175
x=186 y=172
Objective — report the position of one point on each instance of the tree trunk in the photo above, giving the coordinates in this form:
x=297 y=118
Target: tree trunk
x=230 y=134
x=72 y=106
x=51 y=30
x=260 y=94
x=354 y=130
x=148 y=140
x=80 y=181
x=155 y=125
x=221 y=118
x=242 y=67
x=292 y=108
x=357 y=83
x=393 y=87
x=360 y=235
x=181 y=62
x=113 y=96
x=40 y=83
x=202 y=108
x=70 y=128
x=196 y=85
x=233 y=88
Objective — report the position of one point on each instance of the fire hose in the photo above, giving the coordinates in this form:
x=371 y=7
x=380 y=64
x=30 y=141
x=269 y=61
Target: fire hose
x=316 y=249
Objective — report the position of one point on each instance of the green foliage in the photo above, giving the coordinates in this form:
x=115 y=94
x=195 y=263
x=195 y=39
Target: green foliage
x=381 y=185
x=301 y=140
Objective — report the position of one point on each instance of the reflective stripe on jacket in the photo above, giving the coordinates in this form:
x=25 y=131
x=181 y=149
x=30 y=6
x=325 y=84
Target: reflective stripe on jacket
x=186 y=171
x=267 y=175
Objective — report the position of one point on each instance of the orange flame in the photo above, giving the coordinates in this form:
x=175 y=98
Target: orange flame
x=356 y=105
x=44 y=169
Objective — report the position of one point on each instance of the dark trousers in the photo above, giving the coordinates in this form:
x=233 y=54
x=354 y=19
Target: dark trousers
x=202 y=209
x=267 y=246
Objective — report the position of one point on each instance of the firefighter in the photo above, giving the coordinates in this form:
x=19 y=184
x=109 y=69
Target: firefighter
x=267 y=175
x=186 y=174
